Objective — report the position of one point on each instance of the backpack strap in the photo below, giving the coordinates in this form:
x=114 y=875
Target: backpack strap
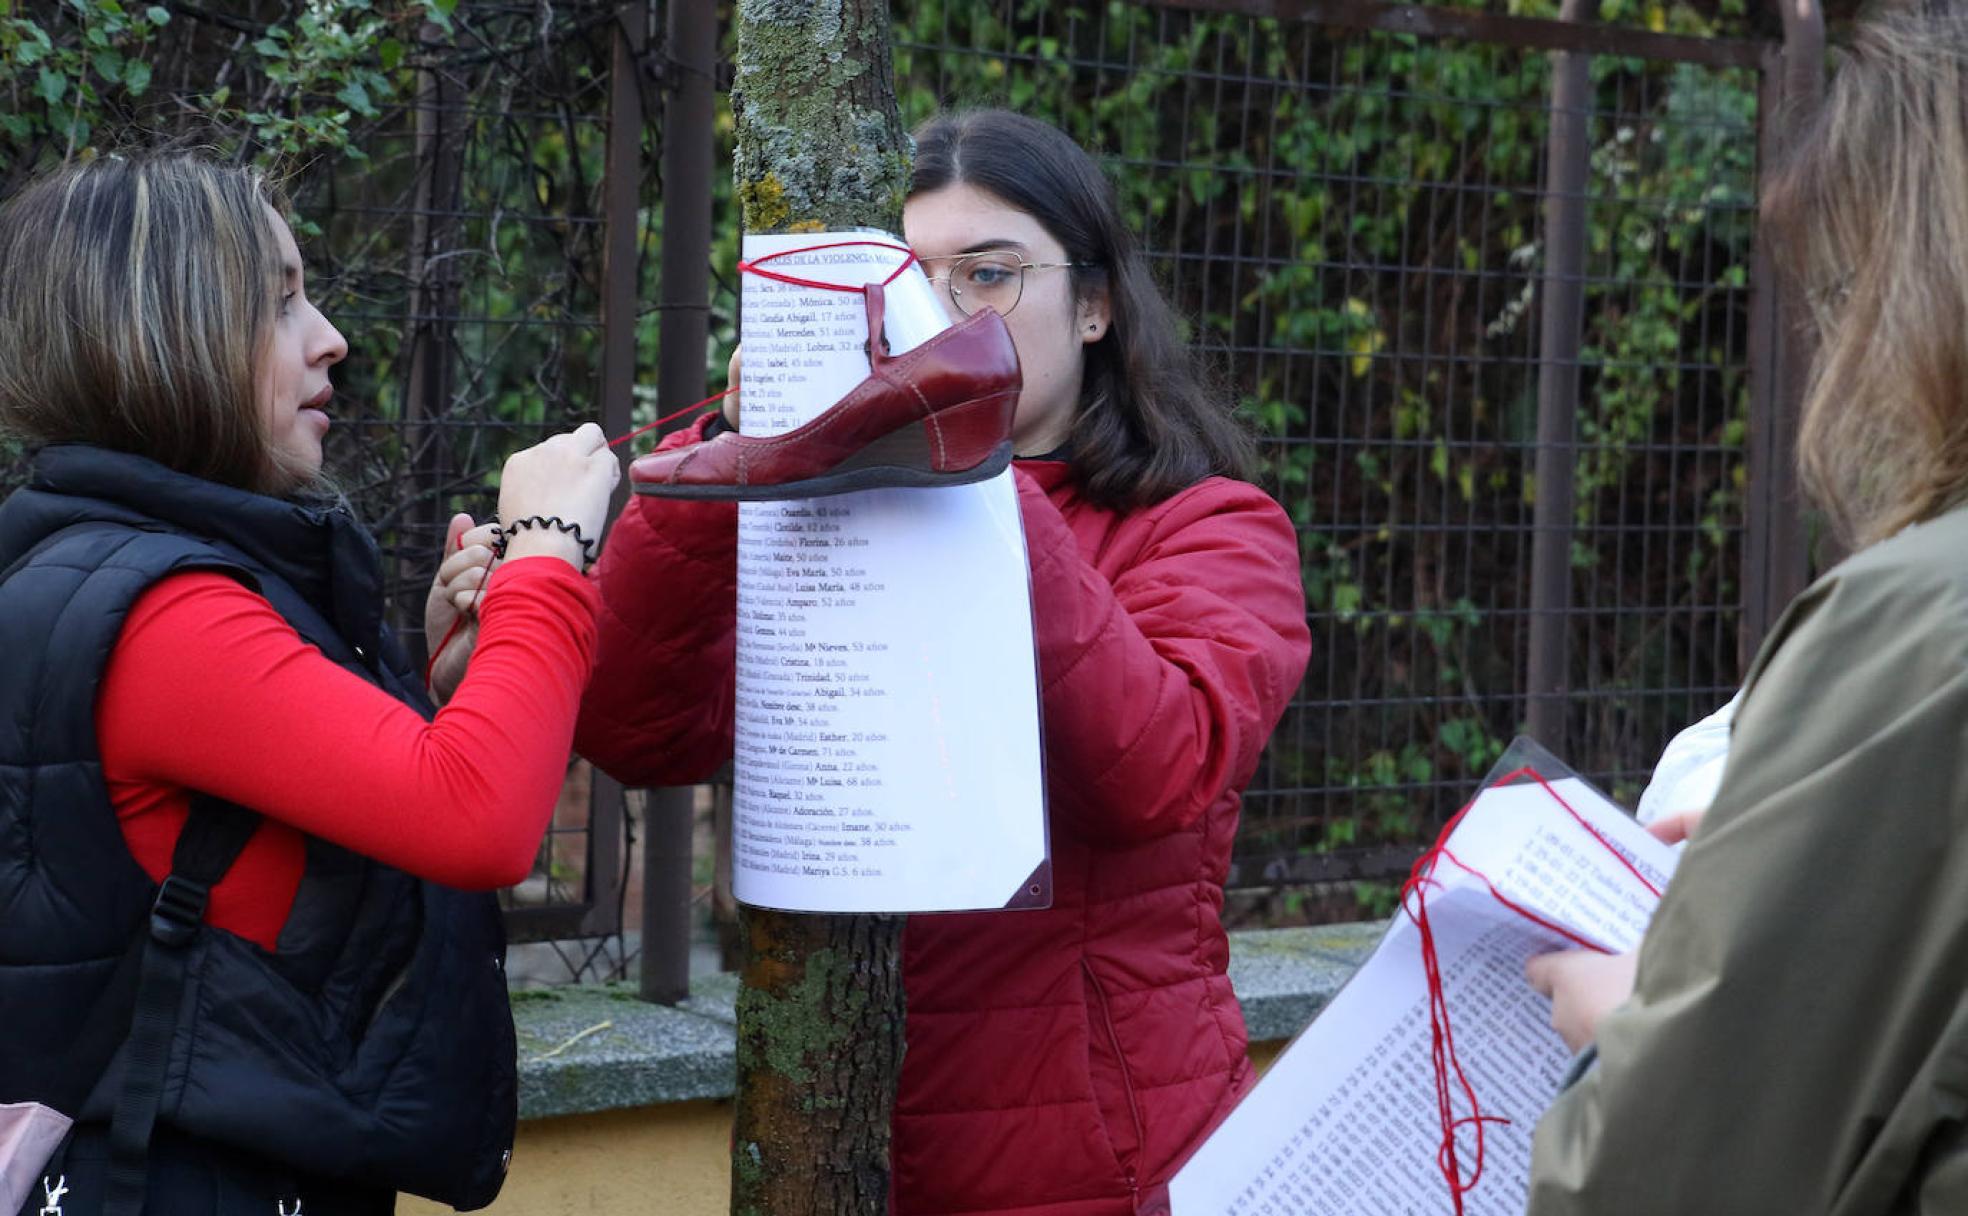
x=211 y=841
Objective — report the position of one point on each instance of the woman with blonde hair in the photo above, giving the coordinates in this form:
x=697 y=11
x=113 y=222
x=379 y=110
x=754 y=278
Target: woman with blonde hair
x=249 y=961
x=1797 y=1041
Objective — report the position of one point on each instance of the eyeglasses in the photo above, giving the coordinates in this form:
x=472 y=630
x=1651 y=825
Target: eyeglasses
x=992 y=279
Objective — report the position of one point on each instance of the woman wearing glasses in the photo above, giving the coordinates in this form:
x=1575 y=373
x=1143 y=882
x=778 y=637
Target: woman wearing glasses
x=1060 y=1061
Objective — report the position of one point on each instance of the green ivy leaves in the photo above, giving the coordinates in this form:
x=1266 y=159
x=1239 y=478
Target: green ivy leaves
x=314 y=74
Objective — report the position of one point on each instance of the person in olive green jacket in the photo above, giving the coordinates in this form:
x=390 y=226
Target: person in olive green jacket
x=1797 y=1037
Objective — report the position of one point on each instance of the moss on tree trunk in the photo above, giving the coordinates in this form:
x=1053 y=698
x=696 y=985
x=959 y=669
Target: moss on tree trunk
x=820 y=143
x=820 y=146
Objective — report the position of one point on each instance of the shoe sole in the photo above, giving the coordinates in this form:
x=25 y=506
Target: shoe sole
x=841 y=481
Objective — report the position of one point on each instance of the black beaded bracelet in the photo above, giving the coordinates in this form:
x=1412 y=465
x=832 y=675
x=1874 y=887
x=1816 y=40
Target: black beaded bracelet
x=543 y=522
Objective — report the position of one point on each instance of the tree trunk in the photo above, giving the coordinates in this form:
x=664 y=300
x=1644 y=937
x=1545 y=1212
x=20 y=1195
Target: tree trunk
x=820 y=146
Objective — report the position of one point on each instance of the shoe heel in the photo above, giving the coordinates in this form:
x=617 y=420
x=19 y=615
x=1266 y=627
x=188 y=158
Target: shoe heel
x=969 y=433
x=942 y=447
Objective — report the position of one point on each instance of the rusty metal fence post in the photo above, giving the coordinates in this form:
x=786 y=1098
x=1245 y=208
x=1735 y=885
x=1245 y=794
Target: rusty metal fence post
x=621 y=215
x=435 y=278
x=614 y=275
x=688 y=113
x=1776 y=549
x=1561 y=325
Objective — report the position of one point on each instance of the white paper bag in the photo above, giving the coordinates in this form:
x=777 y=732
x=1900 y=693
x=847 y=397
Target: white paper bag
x=29 y=1135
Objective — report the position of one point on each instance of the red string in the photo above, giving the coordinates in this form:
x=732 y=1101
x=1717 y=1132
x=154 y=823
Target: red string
x=752 y=267
x=456 y=622
x=1443 y=1054
x=650 y=426
x=1449 y=1074
x=1591 y=831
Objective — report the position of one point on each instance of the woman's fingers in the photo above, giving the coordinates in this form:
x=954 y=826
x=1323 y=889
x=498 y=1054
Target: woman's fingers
x=470 y=578
x=1584 y=985
x=459 y=525
x=471 y=557
x=1675 y=828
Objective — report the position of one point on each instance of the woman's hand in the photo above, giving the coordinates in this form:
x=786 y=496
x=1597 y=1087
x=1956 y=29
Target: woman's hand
x=730 y=406
x=570 y=476
x=1584 y=985
x=1676 y=827
x=451 y=608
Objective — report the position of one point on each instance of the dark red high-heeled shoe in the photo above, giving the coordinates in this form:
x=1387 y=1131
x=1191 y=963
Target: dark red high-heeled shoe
x=938 y=415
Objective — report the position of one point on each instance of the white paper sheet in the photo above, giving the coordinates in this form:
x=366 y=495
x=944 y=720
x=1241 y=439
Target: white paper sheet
x=887 y=744
x=1346 y=1121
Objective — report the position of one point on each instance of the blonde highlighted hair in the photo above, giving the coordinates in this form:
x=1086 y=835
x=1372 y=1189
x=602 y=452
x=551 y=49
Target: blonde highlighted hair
x=137 y=297
x=1873 y=210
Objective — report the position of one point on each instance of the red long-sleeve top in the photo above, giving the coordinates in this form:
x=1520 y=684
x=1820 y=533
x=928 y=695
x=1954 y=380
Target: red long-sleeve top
x=208 y=688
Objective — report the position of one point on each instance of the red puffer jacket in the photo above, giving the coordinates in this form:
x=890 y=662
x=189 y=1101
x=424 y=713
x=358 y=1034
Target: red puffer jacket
x=1060 y=1062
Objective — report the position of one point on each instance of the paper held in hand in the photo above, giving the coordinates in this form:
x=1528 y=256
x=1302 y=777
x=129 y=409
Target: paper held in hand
x=887 y=735
x=1350 y=1118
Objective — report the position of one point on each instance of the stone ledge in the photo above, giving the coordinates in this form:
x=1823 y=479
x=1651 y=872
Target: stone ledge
x=594 y=1047
x=585 y=1048
x=1284 y=977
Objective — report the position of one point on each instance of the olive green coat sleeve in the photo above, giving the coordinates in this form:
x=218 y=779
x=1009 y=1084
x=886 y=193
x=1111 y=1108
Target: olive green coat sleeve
x=1797 y=1041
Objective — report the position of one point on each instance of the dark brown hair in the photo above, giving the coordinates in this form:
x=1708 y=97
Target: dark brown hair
x=1147 y=424
x=136 y=299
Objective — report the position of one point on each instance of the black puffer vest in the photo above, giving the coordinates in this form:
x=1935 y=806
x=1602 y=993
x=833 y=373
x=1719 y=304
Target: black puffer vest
x=375 y=1045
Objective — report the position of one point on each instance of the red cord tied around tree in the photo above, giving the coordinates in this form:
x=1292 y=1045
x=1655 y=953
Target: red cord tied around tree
x=1449 y=1074
x=754 y=266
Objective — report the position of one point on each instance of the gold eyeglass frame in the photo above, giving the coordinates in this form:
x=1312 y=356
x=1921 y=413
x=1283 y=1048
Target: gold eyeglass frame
x=956 y=296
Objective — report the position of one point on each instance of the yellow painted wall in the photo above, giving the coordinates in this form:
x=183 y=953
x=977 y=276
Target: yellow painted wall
x=1262 y=1054
x=657 y=1161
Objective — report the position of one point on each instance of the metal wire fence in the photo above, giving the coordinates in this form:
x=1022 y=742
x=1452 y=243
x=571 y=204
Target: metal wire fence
x=1510 y=355
x=1358 y=223
x=462 y=243
x=467 y=256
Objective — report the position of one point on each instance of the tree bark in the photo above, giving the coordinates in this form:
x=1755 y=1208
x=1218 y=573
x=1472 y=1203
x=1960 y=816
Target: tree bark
x=820 y=147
